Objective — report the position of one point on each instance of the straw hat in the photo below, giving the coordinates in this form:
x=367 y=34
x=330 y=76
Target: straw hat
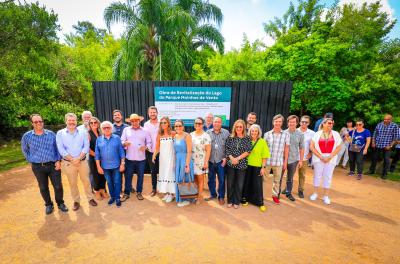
x=134 y=117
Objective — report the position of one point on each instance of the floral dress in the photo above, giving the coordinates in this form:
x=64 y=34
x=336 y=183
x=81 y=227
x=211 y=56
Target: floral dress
x=199 y=143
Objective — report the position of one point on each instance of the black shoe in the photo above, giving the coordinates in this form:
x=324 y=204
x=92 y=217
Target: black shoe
x=49 y=209
x=370 y=172
x=111 y=201
x=283 y=191
x=63 y=208
x=301 y=194
x=290 y=197
x=118 y=203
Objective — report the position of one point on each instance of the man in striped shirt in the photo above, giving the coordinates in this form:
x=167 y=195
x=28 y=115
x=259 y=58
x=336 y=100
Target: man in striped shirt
x=278 y=142
x=217 y=160
x=40 y=149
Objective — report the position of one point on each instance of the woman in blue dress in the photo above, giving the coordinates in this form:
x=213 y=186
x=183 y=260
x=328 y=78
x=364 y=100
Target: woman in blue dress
x=184 y=163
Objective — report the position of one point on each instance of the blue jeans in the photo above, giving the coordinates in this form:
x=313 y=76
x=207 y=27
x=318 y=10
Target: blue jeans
x=216 y=168
x=131 y=167
x=113 y=178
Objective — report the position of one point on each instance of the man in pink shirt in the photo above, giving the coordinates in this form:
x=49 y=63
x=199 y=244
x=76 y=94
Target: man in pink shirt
x=135 y=140
x=152 y=126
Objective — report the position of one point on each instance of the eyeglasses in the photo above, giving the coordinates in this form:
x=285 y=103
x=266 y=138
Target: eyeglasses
x=329 y=123
x=37 y=122
x=163 y=123
x=304 y=122
x=197 y=123
x=178 y=126
x=360 y=124
x=92 y=123
x=106 y=127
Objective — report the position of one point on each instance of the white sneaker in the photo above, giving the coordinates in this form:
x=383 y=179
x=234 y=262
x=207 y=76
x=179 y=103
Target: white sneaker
x=184 y=203
x=314 y=197
x=327 y=200
x=165 y=197
x=169 y=199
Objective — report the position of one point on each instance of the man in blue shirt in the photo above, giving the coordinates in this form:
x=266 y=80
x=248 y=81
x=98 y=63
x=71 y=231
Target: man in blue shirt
x=110 y=160
x=384 y=138
x=40 y=149
x=118 y=125
x=396 y=155
x=73 y=145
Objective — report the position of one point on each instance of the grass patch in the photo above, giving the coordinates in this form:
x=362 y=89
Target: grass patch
x=11 y=155
x=393 y=176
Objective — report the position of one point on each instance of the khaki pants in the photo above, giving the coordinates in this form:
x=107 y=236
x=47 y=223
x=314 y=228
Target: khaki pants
x=277 y=171
x=72 y=172
x=302 y=175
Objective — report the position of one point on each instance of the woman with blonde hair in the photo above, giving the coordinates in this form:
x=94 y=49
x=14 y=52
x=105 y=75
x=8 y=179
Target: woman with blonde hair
x=238 y=147
x=256 y=163
x=325 y=146
x=99 y=180
x=165 y=146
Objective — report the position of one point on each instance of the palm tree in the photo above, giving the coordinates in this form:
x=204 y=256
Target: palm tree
x=162 y=33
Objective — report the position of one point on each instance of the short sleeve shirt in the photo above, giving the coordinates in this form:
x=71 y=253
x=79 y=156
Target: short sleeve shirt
x=276 y=143
x=259 y=152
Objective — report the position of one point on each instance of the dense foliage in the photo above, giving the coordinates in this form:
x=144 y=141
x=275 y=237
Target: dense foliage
x=339 y=58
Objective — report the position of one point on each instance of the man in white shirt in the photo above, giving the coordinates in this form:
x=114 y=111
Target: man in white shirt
x=308 y=135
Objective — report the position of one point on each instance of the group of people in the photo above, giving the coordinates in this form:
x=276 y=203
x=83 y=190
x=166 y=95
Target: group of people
x=103 y=153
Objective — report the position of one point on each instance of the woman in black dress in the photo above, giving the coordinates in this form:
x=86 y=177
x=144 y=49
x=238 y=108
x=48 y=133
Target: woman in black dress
x=99 y=180
x=237 y=148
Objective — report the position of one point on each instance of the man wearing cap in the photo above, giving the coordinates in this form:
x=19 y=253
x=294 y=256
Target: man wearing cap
x=135 y=140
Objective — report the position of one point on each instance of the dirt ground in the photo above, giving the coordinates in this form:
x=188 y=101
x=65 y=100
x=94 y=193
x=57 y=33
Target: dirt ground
x=360 y=226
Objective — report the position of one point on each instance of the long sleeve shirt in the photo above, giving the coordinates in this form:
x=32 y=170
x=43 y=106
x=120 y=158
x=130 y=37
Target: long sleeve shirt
x=109 y=151
x=40 y=148
x=138 y=138
x=72 y=143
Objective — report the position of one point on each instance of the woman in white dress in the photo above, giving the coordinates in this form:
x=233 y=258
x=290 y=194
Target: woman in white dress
x=165 y=146
x=201 y=150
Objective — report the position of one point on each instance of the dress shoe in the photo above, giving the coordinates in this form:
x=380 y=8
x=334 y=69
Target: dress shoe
x=139 y=196
x=301 y=194
x=76 y=206
x=92 y=202
x=63 y=208
x=290 y=197
x=49 y=209
x=153 y=193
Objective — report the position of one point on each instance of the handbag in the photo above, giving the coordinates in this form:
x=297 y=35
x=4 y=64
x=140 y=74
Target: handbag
x=188 y=190
x=354 y=147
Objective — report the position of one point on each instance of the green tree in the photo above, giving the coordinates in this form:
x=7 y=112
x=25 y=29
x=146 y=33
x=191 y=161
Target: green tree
x=162 y=36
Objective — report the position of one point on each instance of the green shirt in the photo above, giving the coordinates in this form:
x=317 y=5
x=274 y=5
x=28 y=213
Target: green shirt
x=259 y=152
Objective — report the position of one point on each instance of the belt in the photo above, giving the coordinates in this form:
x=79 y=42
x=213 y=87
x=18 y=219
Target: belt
x=84 y=157
x=43 y=163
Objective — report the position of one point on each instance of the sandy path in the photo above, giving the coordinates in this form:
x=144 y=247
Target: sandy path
x=360 y=226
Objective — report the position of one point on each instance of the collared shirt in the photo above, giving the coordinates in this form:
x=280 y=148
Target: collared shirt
x=40 y=148
x=153 y=130
x=385 y=135
x=138 y=138
x=109 y=151
x=276 y=143
x=83 y=127
x=217 y=144
x=205 y=128
x=308 y=135
x=117 y=130
x=72 y=143
x=296 y=144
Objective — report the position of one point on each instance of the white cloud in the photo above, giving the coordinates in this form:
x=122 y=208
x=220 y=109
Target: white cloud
x=385 y=6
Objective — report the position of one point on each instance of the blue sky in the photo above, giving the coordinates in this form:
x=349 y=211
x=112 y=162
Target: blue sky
x=240 y=16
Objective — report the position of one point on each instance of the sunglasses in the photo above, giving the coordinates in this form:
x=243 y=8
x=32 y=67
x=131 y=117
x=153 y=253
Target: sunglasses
x=178 y=126
x=329 y=123
x=163 y=123
x=92 y=123
x=106 y=127
x=197 y=123
x=37 y=122
x=359 y=124
x=304 y=122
